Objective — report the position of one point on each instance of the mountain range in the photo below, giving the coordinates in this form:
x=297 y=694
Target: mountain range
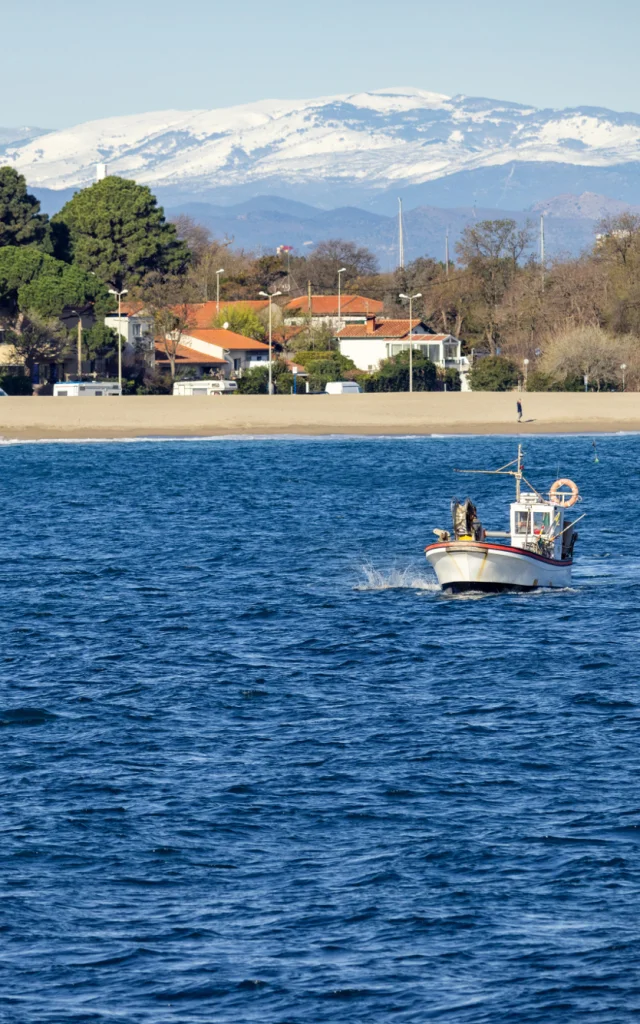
x=343 y=161
x=360 y=149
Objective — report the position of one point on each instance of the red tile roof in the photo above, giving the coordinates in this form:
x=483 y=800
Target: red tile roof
x=327 y=305
x=204 y=313
x=225 y=339
x=188 y=355
x=387 y=329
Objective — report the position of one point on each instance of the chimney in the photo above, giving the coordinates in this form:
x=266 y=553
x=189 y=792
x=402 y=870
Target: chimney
x=371 y=323
x=101 y=172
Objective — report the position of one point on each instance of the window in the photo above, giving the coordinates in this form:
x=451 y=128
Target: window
x=522 y=519
x=137 y=330
x=541 y=522
x=237 y=363
x=432 y=352
x=450 y=351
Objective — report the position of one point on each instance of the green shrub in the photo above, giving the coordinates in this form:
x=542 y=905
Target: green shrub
x=393 y=374
x=16 y=383
x=494 y=373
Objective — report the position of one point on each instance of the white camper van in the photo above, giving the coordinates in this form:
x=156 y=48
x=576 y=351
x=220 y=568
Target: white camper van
x=81 y=388
x=205 y=387
x=342 y=387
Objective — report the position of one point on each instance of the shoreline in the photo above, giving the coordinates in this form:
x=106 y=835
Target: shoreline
x=369 y=415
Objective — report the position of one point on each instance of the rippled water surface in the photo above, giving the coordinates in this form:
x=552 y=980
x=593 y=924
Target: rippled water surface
x=256 y=768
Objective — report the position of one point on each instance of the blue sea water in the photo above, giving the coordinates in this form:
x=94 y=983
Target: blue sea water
x=255 y=767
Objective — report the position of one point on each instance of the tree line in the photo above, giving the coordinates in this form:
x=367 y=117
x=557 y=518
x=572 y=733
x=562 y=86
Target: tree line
x=559 y=325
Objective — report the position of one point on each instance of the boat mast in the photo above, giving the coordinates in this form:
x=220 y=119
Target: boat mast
x=518 y=472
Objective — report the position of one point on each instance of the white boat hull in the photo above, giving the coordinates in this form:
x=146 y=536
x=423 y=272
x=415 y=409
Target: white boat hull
x=471 y=565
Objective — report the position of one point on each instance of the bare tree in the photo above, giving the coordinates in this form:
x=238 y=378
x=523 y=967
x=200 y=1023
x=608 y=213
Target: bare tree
x=584 y=352
x=37 y=339
x=173 y=314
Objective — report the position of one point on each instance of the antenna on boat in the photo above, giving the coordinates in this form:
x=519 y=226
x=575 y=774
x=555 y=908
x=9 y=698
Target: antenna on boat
x=506 y=470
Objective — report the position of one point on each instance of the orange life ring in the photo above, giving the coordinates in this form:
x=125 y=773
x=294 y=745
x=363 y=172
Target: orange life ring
x=558 y=497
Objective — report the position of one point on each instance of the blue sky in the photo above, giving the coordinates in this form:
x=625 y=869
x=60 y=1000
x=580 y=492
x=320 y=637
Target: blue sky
x=76 y=60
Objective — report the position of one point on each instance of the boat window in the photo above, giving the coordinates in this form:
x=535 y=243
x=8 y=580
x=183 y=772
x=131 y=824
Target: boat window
x=522 y=517
x=541 y=521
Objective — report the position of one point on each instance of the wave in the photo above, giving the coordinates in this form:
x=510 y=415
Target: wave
x=394 y=579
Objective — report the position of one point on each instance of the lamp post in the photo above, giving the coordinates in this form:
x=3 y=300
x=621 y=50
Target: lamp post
x=525 y=363
x=218 y=272
x=418 y=295
x=124 y=291
x=270 y=297
x=342 y=271
x=623 y=367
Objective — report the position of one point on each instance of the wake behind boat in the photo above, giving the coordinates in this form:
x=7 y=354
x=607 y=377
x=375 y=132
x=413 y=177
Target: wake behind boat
x=539 y=552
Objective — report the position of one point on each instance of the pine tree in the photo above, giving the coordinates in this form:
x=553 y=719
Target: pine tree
x=116 y=230
x=21 y=222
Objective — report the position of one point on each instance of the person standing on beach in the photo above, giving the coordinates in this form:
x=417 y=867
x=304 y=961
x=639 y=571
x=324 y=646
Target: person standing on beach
x=519 y=410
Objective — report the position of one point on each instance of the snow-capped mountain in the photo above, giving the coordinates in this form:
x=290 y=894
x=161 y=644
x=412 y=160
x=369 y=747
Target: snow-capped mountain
x=355 y=146
x=10 y=137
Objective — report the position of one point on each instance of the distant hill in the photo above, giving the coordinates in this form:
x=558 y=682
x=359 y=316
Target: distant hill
x=264 y=223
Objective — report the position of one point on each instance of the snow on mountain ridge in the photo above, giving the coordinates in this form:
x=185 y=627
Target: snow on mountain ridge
x=389 y=137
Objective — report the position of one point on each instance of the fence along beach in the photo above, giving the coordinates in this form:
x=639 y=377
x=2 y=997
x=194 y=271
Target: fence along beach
x=368 y=414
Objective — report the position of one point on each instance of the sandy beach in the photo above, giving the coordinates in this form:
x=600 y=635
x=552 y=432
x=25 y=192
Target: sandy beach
x=420 y=413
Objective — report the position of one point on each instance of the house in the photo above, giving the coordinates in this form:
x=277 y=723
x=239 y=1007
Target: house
x=239 y=353
x=188 y=359
x=323 y=310
x=369 y=343
x=135 y=326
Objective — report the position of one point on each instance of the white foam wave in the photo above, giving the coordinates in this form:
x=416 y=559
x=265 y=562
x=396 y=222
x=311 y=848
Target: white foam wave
x=394 y=579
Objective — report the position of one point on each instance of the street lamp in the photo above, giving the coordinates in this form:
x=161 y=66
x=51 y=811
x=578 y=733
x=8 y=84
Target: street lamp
x=270 y=297
x=124 y=291
x=623 y=367
x=340 y=272
x=418 y=295
x=525 y=363
x=218 y=272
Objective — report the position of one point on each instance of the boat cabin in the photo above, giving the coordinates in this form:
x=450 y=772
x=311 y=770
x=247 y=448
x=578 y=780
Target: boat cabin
x=538 y=525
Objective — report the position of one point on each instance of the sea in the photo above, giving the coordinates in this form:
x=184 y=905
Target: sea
x=256 y=767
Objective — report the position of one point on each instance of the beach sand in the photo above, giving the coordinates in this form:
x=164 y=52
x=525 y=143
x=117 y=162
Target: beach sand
x=419 y=413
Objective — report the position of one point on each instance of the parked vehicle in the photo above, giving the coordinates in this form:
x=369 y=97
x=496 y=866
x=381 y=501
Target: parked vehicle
x=342 y=387
x=205 y=387
x=88 y=388
x=3 y=394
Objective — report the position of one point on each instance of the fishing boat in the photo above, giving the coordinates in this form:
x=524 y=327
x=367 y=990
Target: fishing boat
x=537 y=551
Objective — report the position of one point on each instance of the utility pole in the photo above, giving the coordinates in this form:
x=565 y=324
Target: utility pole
x=400 y=237
x=218 y=273
x=79 y=342
x=446 y=251
x=270 y=297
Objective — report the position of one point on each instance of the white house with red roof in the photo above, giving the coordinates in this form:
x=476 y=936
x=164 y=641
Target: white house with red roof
x=236 y=352
x=370 y=343
x=333 y=311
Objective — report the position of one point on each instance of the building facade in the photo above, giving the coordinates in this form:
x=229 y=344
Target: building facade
x=370 y=343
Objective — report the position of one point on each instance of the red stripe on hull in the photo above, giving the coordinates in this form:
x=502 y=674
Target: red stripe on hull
x=464 y=545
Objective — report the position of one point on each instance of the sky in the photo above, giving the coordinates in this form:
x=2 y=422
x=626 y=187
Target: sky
x=75 y=60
